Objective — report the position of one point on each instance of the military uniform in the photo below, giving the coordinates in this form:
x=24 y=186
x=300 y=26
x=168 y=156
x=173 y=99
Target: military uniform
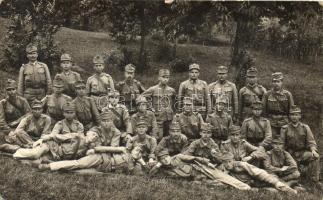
x=274 y=161
x=163 y=99
x=276 y=106
x=85 y=109
x=227 y=89
x=99 y=85
x=198 y=90
x=130 y=90
x=34 y=80
x=53 y=103
x=221 y=124
x=299 y=142
x=12 y=109
x=248 y=95
x=30 y=128
x=69 y=78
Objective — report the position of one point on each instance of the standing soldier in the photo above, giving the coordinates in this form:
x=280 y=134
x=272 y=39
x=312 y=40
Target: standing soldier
x=225 y=88
x=119 y=115
x=53 y=103
x=189 y=121
x=99 y=84
x=163 y=99
x=130 y=88
x=85 y=108
x=69 y=77
x=220 y=120
x=300 y=143
x=249 y=94
x=31 y=127
x=34 y=78
x=257 y=130
x=146 y=115
x=277 y=103
x=197 y=90
x=12 y=108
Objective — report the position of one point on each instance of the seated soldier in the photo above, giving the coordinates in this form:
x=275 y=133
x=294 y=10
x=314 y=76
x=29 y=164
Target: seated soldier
x=175 y=142
x=12 y=108
x=108 y=133
x=256 y=129
x=31 y=127
x=252 y=172
x=204 y=147
x=119 y=116
x=189 y=121
x=145 y=114
x=53 y=103
x=281 y=163
x=85 y=107
x=300 y=143
x=220 y=120
x=147 y=143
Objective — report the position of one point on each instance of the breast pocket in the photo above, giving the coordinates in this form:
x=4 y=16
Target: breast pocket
x=189 y=91
x=42 y=75
x=28 y=77
x=94 y=87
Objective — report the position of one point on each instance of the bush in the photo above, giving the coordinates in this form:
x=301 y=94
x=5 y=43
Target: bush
x=116 y=58
x=179 y=65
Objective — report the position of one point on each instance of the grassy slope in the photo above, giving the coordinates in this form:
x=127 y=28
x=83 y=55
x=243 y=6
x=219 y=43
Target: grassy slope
x=21 y=182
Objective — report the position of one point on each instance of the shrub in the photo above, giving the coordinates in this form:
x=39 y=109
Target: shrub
x=179 y=65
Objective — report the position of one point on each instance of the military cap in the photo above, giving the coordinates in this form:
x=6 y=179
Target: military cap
x=141 y=99
x=234 y=129
x=252 y=72
x=162 y=153
x=130 y=68
x=277 y=141
x=141 y=122
x=194 y=66
x=188 y=101
x=66 y=57
x=277 y=76
x=221 y=99
x=222 y=69
x=206 y=127
x=80 y=84
x=226 y=156
x=114 y=93
x=58 y=81
x=294 y=109
x=31 y=48
x=36 y=104
x=11 y=84
x=69 y=106
x=98 y=59
x=106 y=115
x=174 y=126
x=257 y=105
x=164 y=72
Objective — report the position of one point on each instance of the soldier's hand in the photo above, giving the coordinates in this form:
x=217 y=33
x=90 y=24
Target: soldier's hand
x=247 y=159
x=284 y=168
x=90 y=152
x=202 y=160
x=46 y=137
x=151 y=162
x=315 y=154
x=37 y=143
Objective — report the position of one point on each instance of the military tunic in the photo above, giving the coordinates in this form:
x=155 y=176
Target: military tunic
x=86 y=112
x=163 y=99
x=150 y=118
x=240 y=150
x=148 y=145
x=190 y=124
x=120 y=117
x=69 y=80
x=108 y=137
x=199 y=91
x=229 y=90
x=53 y=106
x=11 y=112
x=34 y=81
x=257 y=131
x=172 y=144
x=129 y=91
x=247 y=96
x=221 y=124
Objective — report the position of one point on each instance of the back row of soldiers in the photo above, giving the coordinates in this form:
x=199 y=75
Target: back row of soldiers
x=218 y=104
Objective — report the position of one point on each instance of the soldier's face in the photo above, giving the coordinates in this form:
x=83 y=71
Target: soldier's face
x=277 y=84
x=205 y=135
x=58 y=90
x=141 y=130
x=235 y=137
x=277 y=147
x=220 y=106
x=295 y=117
x=188 y=108
x=129 y=75
x=252 y=80
x=165 y=160
x=66 y=65
x=256 y=112
x=114 y=100
x=194 y=74
x=174 y=132
x=164 y=79
x=222 y=76
x=11 y=91
x=106 y=123
x=69 y=114
x=98 y=67
x=37 y=112
x=142 y=107
x=81 y=91
x=32 y=56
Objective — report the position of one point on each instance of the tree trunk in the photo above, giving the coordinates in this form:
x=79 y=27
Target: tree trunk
x=142 y=56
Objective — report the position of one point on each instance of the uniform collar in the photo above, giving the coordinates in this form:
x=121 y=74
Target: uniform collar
x=204 y=144
x=33 y=63
x=295 y=125
x=194 y=81
x=281 y=91
x=252 y=86
x=162 y=86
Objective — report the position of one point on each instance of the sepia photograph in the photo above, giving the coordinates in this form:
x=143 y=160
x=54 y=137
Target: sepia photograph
x=161 y=100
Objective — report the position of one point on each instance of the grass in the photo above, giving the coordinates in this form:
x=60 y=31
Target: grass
x=23 y=182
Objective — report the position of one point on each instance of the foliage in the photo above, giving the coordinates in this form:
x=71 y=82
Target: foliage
x=179 y=65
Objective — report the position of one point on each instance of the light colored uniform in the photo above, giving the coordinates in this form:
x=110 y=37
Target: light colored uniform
x=257 y=131
x=69 y=80
x=150 y=119
x=108 y=138
x=190 y=124
x=53 y=106
x=221 y=125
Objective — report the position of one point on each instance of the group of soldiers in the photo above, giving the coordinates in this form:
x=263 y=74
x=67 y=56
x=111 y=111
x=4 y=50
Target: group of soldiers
x=253 y=137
